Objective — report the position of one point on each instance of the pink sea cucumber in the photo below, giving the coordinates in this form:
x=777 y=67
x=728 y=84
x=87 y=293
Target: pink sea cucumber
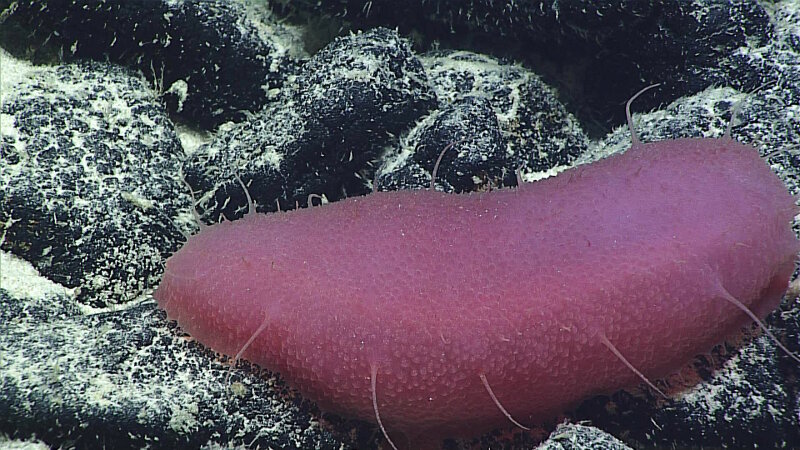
x=449 y=314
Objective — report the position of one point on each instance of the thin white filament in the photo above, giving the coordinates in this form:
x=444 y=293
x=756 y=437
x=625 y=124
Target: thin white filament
x=630 y=366
x=374 y=381
x=497 y=402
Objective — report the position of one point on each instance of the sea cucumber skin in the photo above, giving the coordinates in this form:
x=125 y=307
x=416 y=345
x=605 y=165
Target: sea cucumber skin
x=520 y=285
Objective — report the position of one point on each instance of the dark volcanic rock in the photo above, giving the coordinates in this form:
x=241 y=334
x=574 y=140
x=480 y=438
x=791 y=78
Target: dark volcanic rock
x=597 y=52
x=581 y=437
x=91 y=166
x=127 y=379
x=214 y=60
x=498 y=117
x=343 y=107
x=88 y=163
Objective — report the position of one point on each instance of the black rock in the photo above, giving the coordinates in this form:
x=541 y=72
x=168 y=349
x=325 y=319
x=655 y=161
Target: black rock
x=128 y=379
x=213 y=60
x=91 y=166
x=345 y=104
x=495 y=116
x=89 y=163
x=596 y=52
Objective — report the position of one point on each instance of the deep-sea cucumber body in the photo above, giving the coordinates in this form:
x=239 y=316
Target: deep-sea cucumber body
x=433 y=290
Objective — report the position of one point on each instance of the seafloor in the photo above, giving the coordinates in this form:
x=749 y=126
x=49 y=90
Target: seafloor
x=108 y=107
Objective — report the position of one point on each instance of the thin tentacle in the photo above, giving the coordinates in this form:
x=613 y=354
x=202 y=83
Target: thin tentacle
x=497 y=402
x=439 y=160
x=518 y=173
x=195 y=214
x=736 y=108
x=247 y=344
x=251 y=205
x=373 y=383
x=634 y=138
x=734 y=301
x=311 y=197
x=630 y=366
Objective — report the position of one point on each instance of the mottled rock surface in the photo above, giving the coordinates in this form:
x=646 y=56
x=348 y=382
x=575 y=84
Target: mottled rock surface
x=595 y=52
x=87 y=162
x=494 y=118
x=320 y=138
x=93 y=149
x=185 y=48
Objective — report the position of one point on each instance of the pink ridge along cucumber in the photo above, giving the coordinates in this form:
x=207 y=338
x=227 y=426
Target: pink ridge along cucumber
x=443 y=315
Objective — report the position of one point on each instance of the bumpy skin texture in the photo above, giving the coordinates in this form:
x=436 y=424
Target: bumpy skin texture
x=432 y=290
